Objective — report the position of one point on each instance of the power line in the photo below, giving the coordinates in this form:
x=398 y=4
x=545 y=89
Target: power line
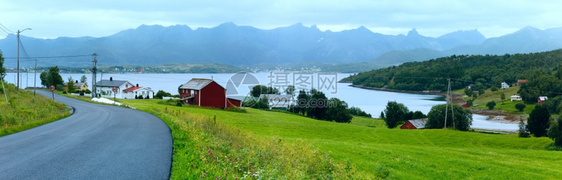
x=4 y=28
x=49 y=57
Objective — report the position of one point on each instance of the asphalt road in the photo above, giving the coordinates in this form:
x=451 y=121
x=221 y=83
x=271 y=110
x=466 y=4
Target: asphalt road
x=96 y=142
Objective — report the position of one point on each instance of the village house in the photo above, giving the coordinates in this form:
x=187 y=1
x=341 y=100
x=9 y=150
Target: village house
x=138 y=93
x=516 y=98
x=521 y=81
x=504 y=85
x=206 y=93
x=414 y=124
x=279 y=102
x=542 y=99
x=125 y=89
x=80 y=86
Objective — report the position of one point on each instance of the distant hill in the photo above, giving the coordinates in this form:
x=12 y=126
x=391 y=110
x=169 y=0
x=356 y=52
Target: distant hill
x=542 y=70
x=236 y=45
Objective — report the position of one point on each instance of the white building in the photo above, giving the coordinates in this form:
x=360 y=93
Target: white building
x=505 y=85
x=136 y=91
x=125 y=89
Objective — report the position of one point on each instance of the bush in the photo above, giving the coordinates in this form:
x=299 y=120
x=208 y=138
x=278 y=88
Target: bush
x=59 y=87
x=358 y=112
x=436 y=116
x=520 y=107
x=555 y=131
x=491 y=105
x=160 y=94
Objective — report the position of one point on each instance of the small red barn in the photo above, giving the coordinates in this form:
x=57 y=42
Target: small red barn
x=542 y=99
x=414 y=124
x=206 y=93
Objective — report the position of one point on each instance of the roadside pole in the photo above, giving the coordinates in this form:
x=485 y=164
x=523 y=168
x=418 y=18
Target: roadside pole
x=114 y=89
x=52 y=88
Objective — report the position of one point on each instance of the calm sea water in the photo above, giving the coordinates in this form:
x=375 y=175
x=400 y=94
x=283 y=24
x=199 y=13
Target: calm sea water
x=371 y=101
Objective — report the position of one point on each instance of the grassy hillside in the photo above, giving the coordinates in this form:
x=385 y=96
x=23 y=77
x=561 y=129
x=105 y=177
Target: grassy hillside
x=25 y=111
x=283 y=145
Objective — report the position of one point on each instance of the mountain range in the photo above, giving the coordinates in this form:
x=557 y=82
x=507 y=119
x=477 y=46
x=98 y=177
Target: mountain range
x=236 y=45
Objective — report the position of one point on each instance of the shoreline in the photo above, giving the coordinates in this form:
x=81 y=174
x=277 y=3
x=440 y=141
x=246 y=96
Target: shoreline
x=495 y=116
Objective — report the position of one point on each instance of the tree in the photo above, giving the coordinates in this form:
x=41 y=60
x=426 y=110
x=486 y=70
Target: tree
x=2 y=69
x=337 y=111
x=555 y=131
x=502 y=97
x=83 y=79
x=418 y=115
x=523 y=131
x=51 y=77
x=520 y=107
x=538 y=121
x=358 y=112
x=290 y=90
x=491 y=105
x=301 y=105
x=161 y=94
x=436 y=117
x=70 y=85
x=317 y=104
x=44 y=76
x=261 y=89
x=394 y=114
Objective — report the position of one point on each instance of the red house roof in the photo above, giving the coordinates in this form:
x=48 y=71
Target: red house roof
x=131 y=89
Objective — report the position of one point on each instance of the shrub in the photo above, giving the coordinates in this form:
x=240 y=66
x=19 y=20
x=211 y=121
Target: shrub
x=520 y=107
x=491 y=105
x=555 y=131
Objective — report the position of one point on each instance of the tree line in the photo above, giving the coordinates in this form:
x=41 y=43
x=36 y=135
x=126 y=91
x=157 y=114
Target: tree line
x=313 y=104
x=542 y=70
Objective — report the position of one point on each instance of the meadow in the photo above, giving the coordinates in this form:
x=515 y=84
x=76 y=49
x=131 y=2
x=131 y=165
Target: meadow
x=21 y=110
x=214 y=143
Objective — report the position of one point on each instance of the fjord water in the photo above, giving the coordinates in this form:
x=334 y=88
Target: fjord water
x=373 y=102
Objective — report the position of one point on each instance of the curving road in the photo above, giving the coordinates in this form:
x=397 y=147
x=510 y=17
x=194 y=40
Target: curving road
x=96 y=142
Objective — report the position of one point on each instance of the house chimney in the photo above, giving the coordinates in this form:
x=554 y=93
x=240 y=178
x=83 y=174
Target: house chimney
x=137 y=85
x=110 y=78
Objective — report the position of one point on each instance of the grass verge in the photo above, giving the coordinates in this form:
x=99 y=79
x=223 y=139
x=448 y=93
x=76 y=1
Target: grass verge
x=217 y=144
x=24 y=111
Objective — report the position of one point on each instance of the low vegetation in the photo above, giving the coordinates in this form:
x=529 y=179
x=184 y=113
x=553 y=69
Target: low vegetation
x=21 y=110
x=214 y=143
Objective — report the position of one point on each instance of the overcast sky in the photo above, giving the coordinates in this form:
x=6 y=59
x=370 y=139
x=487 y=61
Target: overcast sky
x=76 y=18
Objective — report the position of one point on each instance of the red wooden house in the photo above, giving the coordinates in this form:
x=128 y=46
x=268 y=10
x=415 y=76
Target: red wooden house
x=414 y=124
x=206 y=93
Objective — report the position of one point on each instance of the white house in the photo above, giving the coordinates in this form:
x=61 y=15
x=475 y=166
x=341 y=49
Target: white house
x=516 y=98
x=505 y=85
x=137 y=91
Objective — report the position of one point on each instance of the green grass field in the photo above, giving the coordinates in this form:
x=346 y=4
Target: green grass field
x=21 y=110
x=363 y=149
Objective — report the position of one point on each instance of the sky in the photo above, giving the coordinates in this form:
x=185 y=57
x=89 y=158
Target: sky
x=98 y=18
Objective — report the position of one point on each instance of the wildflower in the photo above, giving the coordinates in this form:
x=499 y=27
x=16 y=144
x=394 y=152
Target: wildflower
x=203 y=176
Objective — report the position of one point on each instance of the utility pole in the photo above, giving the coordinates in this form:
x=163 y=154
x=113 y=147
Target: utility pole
x=35 y=78
x=18 y=70
x=449 y=97
x=94 y=71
